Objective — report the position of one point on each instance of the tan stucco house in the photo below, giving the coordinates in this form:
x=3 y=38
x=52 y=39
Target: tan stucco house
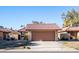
x=14 y=34
x=43 y=32
x=73 y=31
x=4 y=33
x=8 y=34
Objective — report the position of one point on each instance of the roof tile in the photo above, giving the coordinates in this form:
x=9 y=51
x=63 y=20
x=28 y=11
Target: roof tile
x=40 y=27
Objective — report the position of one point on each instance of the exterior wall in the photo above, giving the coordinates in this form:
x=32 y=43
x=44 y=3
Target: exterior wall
x=56 y=35
x=29 y=35
x=14 y=35
x=22 y=35
x=1 y=35
x=26 y=35
x=78 y=35
x=6 y=35
x=59 y=34
x=73 y=34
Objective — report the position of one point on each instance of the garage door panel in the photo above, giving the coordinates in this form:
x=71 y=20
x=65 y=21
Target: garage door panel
x=44 y=36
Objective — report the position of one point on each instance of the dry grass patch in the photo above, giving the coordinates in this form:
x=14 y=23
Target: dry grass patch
x=74 y=45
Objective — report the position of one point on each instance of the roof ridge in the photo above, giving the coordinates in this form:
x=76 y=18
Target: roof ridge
x=42 y=24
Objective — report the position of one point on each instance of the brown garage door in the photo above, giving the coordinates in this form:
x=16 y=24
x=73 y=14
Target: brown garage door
x=43 y=35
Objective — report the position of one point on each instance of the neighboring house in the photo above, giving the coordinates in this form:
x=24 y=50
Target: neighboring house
x=4 y=33
x=14 y=34
x=43 y=32
x=74 y=31
x=24 y=34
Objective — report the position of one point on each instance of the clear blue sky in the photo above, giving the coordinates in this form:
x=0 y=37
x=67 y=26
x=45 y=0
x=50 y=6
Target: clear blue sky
x=15 y=16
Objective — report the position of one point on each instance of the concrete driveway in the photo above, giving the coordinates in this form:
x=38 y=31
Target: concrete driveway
x=49 y=46
x=43 y=46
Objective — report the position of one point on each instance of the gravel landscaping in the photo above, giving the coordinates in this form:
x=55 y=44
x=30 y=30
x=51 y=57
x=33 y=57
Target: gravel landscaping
x=12 y=44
